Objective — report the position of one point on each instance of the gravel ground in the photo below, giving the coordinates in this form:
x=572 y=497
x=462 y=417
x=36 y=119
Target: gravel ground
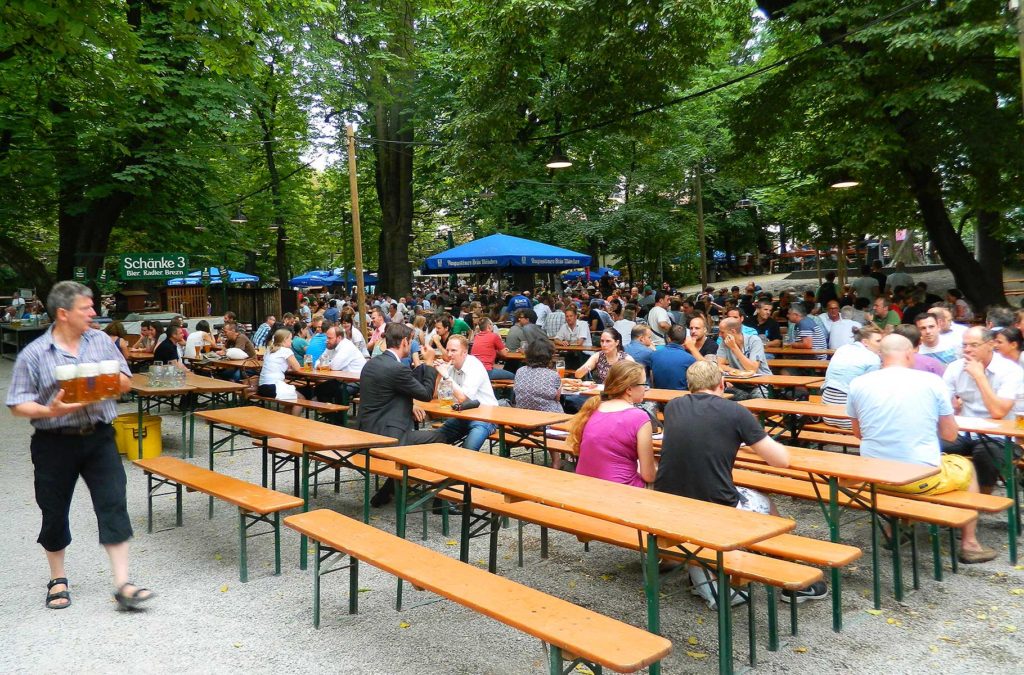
x=205 y=620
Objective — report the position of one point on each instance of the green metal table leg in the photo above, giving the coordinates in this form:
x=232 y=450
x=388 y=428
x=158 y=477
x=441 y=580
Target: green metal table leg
x=876 y=578
x=751 y=626
x=467 y=514
x=192 y=434
x=773 y=620
x=366 y=485
x=316 y=587
x=210 y=514
x=554 y=660
x=243 y=557
x=141 y=427
x=1013 y=515
x=913 y=556
x=400 y=504
x=897 y=558
x=833 y=528
x=502 y=444
x=303 y=543
x=724 y=617
x=651 y=581
x=353 y=585
x=184 y=428
x=933 y=535
x=277 y=543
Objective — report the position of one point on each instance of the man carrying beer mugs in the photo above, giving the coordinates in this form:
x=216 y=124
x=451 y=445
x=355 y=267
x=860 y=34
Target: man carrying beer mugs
x=74 y=439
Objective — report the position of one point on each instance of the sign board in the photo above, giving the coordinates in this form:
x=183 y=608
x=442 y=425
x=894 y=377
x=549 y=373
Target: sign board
x=103 y=275
x=79 y=274
x=153 y=266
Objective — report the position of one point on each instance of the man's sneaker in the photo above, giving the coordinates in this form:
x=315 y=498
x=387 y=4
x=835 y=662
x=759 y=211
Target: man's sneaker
x=816 y=591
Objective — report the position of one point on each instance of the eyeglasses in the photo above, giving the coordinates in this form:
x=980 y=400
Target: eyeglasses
x=975 y=345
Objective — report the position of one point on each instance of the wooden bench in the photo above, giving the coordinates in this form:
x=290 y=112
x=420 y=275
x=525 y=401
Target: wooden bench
x=778 y=571
x=319 y=408
x=255 y=504
x=580 y=635
x=822 y=438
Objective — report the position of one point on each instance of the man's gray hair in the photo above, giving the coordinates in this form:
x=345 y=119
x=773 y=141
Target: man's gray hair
x=799 y=308
x=62 y=296
x=847 y=313
x=999 y=317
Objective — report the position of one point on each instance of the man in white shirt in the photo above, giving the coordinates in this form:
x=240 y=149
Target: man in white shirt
x=470 y=382
x=659 y=319
x=574 y=331
x=897 y=412
x=542 y=308
x=841 y=332
x=932 y=344
x=18 y=303
x=830 y=317
x=982 y=384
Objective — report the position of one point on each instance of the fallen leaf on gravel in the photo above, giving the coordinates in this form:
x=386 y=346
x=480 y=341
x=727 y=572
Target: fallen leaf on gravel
x=692 y=640
x=697 y=655
x=451 y=542
x=572 y=583
x=873 y=612
x=700 y=621
x=1018 y=567
x=580 y=668
x=608 y=577
x=1017 y=591
x=800 y=650
x=404 y=624
x=981 y=615
x=364 y=590
x=933 y=649
x=237 y=644
x=949 y=639
x=893 y=622
x=1010 y=629
x=481 y=562
x=217 y=556
x=224 y=588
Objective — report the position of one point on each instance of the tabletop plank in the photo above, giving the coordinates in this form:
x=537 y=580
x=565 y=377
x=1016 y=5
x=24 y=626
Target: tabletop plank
x=849 y=467
x=772 y=405
x=502 y=416
x=311 y=433
x=670 y=516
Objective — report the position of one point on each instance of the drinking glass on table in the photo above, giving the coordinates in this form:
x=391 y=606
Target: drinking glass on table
x=560 y=366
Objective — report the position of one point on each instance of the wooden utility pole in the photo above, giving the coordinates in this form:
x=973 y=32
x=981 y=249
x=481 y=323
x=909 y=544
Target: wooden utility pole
x=701 y=244
x=357 y=235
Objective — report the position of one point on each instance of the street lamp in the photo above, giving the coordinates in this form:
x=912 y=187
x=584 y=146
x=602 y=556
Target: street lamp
x=239 y=217
x=844 y=181
x=558 y=160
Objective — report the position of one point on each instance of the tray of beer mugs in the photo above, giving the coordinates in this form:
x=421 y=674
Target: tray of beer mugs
x=89 y=382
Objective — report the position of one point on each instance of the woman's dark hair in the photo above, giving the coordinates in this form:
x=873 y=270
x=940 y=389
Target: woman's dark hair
x=203 y=325
x=298 y=327
x=956 y=293
x=1014 y=336
x=615 y=335
x=539 y=353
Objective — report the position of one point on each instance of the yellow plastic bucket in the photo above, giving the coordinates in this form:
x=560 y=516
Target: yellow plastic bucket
x=126 y=435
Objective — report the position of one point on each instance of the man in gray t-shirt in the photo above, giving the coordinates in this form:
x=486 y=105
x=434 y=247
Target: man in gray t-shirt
x=741 y=352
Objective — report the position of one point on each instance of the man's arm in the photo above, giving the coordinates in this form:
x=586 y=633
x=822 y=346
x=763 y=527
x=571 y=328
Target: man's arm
x=997 y=407
x=771 y=451
x=948 y=429
x=736 y=347
x=56 y=408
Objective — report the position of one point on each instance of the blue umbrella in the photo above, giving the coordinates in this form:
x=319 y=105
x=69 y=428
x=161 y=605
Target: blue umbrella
x=196 y=278
x=501 y=251
x=314 y=278
x=595 y=275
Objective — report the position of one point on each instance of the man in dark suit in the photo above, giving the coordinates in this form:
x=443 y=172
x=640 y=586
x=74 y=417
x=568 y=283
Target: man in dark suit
x=388 y=388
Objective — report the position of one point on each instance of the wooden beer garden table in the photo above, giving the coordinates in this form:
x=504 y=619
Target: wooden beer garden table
x=18 y=336
x=798 y=351
x=808 y=364
x=673 y=519
x=519 y=422
x=148 y=397
x=320 y=441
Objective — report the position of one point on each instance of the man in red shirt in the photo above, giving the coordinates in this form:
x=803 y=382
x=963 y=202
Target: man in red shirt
x=488 y=347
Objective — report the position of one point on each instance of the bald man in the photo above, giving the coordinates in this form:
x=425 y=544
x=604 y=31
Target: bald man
x=900 y=414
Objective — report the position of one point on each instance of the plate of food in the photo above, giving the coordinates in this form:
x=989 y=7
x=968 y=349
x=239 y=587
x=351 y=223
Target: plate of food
x=741 y=374
x=575 y=386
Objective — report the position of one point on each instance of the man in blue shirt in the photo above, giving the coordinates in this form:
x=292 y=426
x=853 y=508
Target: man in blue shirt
x=519 y=301
x=668 y=365
x=640 y=347
x=263 y=333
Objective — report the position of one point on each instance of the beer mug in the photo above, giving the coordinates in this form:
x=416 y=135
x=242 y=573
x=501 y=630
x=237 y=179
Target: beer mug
x=110 y=379
x=67 y=379
x=307 y=362
x=445 y=394
x=88 y=375
x=560 y=366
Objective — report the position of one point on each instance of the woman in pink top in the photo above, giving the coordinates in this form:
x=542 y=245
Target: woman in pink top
x=488 y=347
x=613 y=437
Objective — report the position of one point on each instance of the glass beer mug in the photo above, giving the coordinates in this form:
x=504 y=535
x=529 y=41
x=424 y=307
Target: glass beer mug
x=67 y=379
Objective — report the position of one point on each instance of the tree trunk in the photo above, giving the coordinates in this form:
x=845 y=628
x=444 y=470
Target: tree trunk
x=393 y=129
x=967 y=272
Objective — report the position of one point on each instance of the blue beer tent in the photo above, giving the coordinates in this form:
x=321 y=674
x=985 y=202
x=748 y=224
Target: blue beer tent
x=504 y=252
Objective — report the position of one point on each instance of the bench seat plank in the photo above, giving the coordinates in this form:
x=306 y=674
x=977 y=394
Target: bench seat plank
x=245 y=495
x=577 y=630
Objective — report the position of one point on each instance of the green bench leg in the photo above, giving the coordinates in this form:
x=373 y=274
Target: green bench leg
x=836 y=577
x=650 y=558
x=751 y=625
x=243 y=554
x=1013 y=514
x=519 y=545
x=277 y=544
x=149 y=511
x=913 y=556
x=876 y=580
x=954 y=560
x=554 y=660
x=210 y=512
x=400 y=515
x=492 y=548
x=543 y=542
x=316 y=587
x=773 y=620
x=303 y=542
x=467 y=515
x=353 y=585
x=794 y=618
x=177 y=508
x=933 y=536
